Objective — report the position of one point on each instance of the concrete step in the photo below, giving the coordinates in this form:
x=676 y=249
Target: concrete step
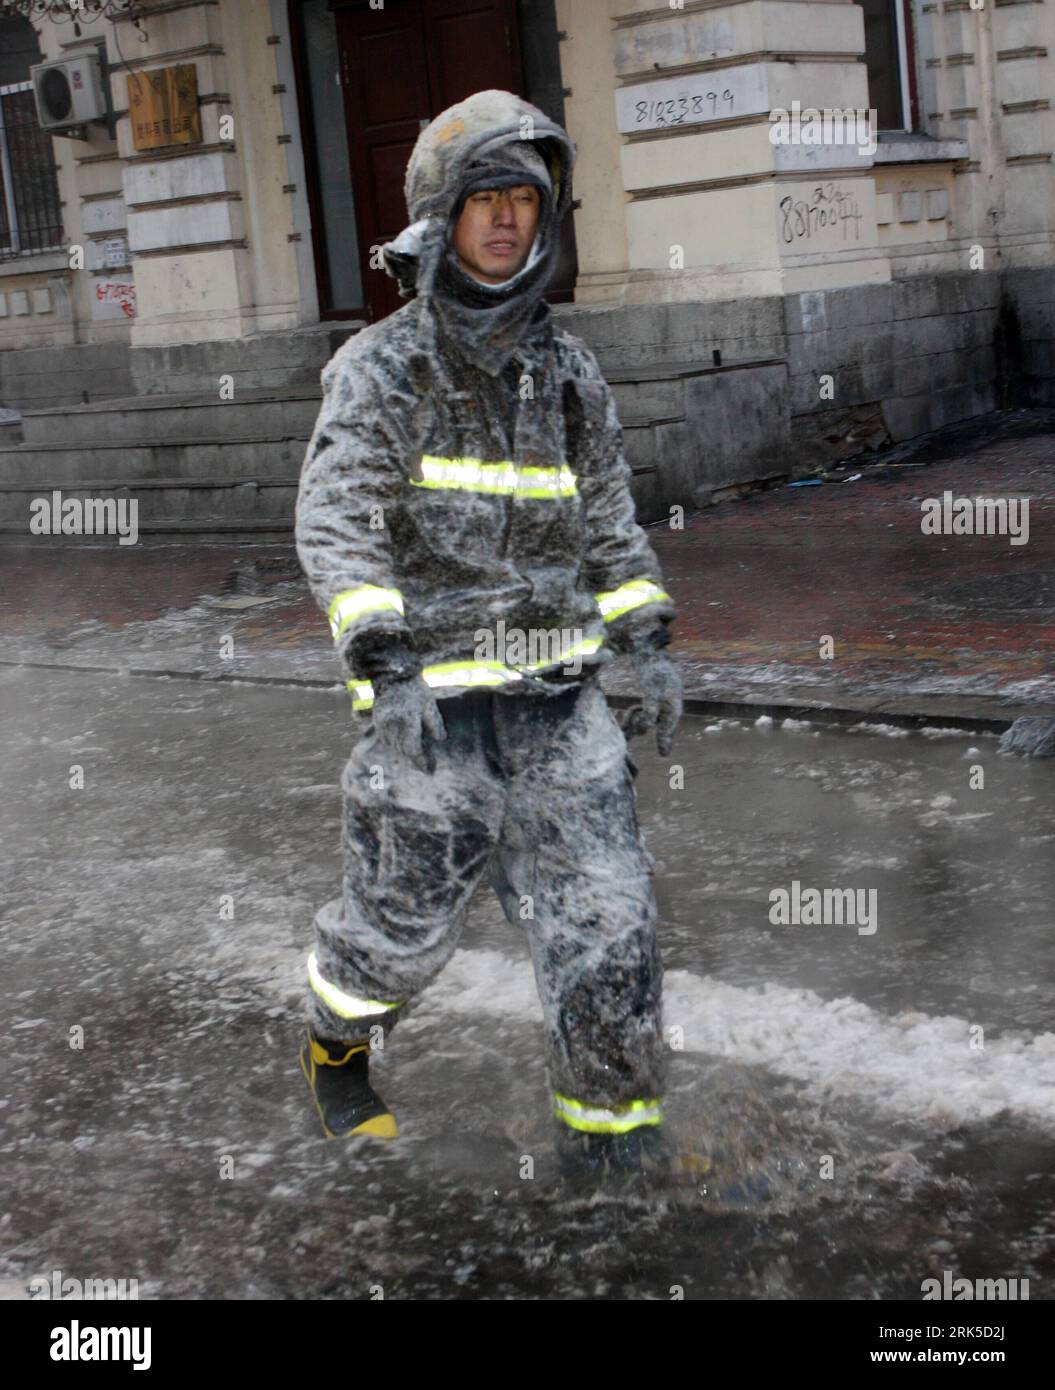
x=234 y=459
x=641 y=440
x=202 y=503
x=658 y=393
x=77 y=373
x=636 y=399
x=270 y=361
x=259 y=456
x=69 y=374
x=223 y=529
x=191 y=416
x=292 y=412
x=663 y=371
x=204 y=466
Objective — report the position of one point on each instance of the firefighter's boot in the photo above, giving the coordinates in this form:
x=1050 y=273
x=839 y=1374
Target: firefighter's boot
x=338 y=1074
x=642 y=1151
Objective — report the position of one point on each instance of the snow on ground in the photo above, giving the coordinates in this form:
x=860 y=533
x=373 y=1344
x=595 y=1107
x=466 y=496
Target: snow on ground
x=909 y=1064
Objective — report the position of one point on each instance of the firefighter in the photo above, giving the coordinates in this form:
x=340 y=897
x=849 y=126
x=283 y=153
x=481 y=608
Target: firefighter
x=464 y=520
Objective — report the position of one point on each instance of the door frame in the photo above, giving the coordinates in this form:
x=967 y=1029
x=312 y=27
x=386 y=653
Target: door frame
x=311 y=173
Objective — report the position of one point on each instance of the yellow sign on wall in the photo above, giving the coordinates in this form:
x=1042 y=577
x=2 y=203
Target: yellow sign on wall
x=163 y=104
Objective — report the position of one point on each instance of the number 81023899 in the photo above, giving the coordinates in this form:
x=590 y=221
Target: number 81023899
x=676 y=110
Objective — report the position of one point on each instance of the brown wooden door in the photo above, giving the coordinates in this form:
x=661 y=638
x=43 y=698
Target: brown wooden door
x=401 y=65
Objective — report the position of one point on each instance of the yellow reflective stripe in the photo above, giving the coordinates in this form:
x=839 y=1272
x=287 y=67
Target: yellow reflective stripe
x=468 y=473
x=475 y=673
x=481 y=672
x=346 y=1005
x=598 y=1120
x=351 y=604
x=362 y=694
x=446 y=673
x=613 y=603
x=583 y=648
x=497 y=479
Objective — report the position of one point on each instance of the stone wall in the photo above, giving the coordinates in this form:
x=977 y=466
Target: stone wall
x=805 y=380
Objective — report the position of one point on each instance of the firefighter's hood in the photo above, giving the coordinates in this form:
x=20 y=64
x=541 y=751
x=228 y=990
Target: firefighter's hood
x=480 y=135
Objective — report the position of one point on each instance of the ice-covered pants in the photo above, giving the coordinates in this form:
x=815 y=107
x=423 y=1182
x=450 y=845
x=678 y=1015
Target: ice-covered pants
x=538 y=791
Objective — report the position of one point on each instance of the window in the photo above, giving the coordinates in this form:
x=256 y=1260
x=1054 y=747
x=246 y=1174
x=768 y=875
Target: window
x=30 y=212
x=888 y=42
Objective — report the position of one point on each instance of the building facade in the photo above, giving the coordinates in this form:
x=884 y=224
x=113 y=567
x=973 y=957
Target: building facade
x=741 y=256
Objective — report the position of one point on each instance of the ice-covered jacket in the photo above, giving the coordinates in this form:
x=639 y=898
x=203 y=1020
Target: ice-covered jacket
x=465 y=493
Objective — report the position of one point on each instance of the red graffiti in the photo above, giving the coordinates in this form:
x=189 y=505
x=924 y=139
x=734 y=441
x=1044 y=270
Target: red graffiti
x=122 y=292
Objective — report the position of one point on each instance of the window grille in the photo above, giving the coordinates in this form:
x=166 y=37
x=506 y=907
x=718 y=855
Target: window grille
x=30 y=212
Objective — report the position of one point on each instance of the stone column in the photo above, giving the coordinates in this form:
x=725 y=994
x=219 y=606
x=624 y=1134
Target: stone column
x=210 y=225
x=713 y=209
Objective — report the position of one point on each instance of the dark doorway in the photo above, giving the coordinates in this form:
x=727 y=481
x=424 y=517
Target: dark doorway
x=369 y=79
x=883 y=38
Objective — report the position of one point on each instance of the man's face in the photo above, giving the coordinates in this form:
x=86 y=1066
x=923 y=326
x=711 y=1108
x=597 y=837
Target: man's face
x=494 y=235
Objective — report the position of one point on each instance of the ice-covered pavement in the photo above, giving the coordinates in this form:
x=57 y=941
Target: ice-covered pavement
x=178 y=1146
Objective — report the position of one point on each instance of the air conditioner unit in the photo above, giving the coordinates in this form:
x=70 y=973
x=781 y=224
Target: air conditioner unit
x=69 y=92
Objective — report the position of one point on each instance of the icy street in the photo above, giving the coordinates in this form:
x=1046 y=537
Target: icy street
x=805 y=1047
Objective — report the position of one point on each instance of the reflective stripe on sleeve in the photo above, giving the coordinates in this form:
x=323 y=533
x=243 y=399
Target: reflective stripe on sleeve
x=597 y=1120
x=345 y=1005
x=503 y=479
x=613 y=603
x=351 y=604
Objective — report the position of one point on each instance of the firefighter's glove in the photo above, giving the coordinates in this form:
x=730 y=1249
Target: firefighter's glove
x=405 y=714
x=407 y=719
x=659 y=682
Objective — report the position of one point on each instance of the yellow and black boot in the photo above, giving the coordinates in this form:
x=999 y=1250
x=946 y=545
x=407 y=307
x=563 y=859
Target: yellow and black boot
x=643 y=1150
x=338 y=1074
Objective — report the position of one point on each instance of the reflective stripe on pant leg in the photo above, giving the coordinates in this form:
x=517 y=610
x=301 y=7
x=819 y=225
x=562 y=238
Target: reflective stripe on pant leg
x=412 y=861
x=345 y=1005
x=598 y=1120
x=571 y=848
